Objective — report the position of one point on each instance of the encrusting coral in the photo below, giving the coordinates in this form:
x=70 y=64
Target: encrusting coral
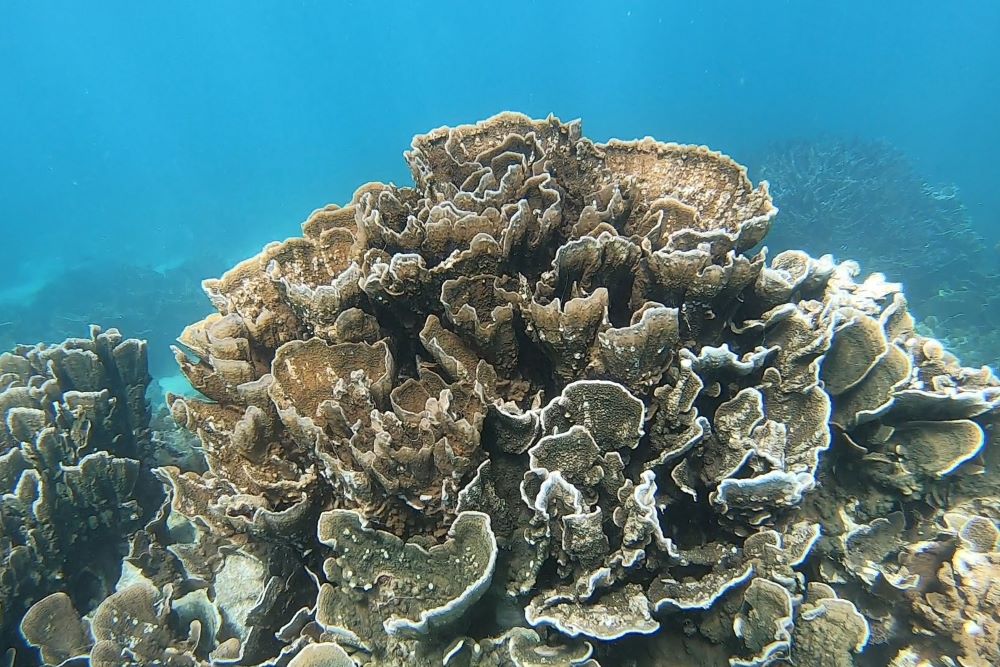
x=546 y=408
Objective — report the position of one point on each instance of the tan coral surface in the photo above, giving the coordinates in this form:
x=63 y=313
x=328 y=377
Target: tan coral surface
x=565 y=366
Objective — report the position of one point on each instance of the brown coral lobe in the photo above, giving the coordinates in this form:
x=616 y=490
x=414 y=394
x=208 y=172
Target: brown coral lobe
x=554 y=385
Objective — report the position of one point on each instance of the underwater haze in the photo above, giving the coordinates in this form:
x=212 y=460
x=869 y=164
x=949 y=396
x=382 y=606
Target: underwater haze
x=507 y=334
x=173 y=139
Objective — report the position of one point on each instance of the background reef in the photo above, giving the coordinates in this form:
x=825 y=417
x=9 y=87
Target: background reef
x=150 y=304
x=866 y=201
x=548 y=406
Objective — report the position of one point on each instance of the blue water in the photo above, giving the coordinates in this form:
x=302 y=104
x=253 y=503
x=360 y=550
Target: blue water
x=158 y=134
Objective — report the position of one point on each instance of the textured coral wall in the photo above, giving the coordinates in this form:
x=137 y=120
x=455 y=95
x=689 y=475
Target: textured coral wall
x=549 y=406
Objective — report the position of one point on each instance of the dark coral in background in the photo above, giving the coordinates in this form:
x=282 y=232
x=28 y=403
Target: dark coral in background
x=866 y=201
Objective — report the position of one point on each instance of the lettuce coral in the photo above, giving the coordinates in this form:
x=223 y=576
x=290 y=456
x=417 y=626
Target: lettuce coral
x=75 y=480
x=547 y=407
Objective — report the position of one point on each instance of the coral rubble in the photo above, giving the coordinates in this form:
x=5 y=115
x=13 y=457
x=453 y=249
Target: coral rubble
x=546 y=408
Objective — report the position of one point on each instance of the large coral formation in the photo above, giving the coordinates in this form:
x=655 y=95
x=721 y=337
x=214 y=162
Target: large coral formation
x=544 y=408
x=74 y=439
x=866 y=201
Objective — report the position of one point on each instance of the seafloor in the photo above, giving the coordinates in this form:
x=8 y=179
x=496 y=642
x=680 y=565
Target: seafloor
x=550 y=406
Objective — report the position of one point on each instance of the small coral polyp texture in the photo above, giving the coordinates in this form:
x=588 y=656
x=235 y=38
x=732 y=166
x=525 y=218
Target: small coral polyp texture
x=555 y=405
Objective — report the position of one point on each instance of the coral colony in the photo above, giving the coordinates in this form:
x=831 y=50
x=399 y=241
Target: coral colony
x=543 y=408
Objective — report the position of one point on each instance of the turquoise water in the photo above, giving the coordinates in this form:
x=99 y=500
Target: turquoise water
x=189 y=134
